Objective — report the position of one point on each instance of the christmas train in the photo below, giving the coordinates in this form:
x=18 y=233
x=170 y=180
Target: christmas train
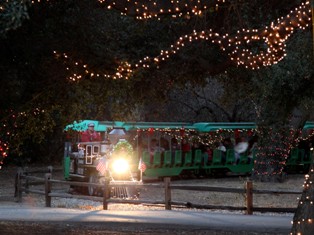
x=129 y=151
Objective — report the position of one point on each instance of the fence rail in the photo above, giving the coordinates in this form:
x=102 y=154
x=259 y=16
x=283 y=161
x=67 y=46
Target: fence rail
x=48 y=192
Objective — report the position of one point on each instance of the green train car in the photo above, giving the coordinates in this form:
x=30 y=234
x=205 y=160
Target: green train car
x=202 y=157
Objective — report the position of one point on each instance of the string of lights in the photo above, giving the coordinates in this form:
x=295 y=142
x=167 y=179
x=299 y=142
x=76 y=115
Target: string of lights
x=209 y=139
x=147 y=9
x=10 y=126
x=272 y=40
x=5 y=137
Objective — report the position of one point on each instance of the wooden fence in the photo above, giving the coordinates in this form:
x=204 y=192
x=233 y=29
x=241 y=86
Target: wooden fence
x=48 y=192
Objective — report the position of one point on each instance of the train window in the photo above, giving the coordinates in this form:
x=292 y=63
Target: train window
x=95 y=150
x=88 y=150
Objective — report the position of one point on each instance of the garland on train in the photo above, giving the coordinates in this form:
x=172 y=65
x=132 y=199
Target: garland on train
x=122 y=147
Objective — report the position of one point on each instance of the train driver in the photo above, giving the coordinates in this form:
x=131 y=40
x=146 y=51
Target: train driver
x=90 y=135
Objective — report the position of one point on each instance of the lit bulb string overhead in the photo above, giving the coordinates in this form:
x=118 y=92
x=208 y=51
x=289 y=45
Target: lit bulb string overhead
x=146 y=9
x=273 y=39
x=274 y=36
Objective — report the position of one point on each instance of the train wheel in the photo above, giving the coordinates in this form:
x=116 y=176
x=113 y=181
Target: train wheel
x=92 y=190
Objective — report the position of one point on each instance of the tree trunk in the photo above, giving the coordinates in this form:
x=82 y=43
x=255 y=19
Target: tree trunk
x=272 y=153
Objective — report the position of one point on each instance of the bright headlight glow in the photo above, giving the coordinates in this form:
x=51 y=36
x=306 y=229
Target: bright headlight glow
x=120 y=166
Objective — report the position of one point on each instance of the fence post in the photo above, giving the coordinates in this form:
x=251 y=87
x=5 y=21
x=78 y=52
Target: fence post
x=249 y=198
x=47 y=189
x=167 y=193
x=106 y=194
x=26 y=186
x=50 y=168
x=18 y=185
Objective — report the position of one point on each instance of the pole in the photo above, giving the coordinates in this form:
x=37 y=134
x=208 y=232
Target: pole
x=106 y=194
x=18 y=185
x=141 y=176
x=48 y=189
x=167 y=193
x=139 y=155
x=249 y=198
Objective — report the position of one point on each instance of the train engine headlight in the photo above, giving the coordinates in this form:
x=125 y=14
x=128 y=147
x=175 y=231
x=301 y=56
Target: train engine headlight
x=120 y=166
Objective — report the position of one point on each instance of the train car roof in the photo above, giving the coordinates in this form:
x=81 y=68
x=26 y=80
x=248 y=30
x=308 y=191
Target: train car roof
x=308 y=125
x=107 y=125
x=213 y=126
x=102 y=126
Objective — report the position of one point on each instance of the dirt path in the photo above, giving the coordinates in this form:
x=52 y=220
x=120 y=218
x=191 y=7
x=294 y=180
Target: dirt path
x=23 y=228
x=293 y=182
x=7 y=174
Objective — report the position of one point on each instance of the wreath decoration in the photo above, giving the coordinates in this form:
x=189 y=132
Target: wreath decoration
x=123 y=147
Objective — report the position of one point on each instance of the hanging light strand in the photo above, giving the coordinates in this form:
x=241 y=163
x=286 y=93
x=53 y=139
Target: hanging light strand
x=272 y=40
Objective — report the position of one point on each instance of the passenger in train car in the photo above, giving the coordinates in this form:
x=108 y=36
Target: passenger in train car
x=240 y=147
x=174 y=147
x=195 y=146
x=185 y=147
x=252 y=148
x=164 y=143
x=90 y=135
x=222 y=146
x=209 y=153
x=310 y=151
x=236 y=153
x=139 y=146
x=206 y=154
x=174 y=144
x=227 y=142
x=155 y=147
x=306 y=145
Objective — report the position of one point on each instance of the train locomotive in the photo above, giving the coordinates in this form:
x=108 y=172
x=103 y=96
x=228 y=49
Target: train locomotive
x=96 y=162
